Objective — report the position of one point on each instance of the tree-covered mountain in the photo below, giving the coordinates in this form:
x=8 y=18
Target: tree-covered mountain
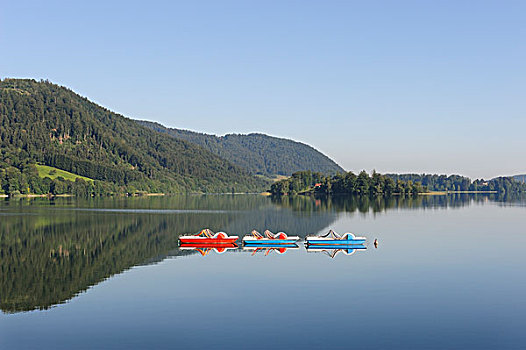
x=257 y=153
x=44 y=123
x=520 y=178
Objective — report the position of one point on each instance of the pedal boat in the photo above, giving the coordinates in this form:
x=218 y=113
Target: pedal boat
x=334 y=239
x=206 y=236
x=269 y=239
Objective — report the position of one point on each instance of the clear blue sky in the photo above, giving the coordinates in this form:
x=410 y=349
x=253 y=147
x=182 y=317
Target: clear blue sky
x=396 y=86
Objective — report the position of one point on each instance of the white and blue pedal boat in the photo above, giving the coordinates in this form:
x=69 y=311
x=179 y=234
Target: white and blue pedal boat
x=269 y=239
x=333 y=239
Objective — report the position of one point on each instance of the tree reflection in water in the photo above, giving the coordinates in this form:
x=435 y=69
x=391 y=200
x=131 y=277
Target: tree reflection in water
x=51 y=251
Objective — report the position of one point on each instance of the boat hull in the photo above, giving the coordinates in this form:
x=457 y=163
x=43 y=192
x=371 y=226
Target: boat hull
x=212 y=245
x=334 y=242
x=208 y=241
x=333 y=239
x=270 y=246
x=340 y=246
x=269 y=242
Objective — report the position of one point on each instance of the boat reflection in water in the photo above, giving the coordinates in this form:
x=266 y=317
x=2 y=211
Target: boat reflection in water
x=268 y=248
x=205 y=249
x=332 y=251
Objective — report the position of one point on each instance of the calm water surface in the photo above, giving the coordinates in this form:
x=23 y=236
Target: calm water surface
x=448 y=273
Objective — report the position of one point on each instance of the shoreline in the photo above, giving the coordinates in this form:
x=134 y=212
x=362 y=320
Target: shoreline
x=31 y=195
x=67 y=195
x=266 y=194
x=443 y=193
x=431 y=193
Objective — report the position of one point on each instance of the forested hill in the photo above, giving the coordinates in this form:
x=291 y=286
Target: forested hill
x=520 y=178
x=258 y=153
x=43 y=123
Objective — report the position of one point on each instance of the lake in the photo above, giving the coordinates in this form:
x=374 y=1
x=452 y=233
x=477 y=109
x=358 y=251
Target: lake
x=448 y=273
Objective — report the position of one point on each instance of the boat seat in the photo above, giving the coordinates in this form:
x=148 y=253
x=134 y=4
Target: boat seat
x=279 y=235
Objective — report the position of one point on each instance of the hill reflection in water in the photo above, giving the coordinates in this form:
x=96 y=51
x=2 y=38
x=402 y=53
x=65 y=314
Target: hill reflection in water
x=50 y=251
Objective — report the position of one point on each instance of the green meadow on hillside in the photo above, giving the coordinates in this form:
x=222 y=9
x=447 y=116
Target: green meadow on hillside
x=53 y=173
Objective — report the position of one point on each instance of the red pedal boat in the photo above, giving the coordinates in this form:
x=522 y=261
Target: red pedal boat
x=206 y=236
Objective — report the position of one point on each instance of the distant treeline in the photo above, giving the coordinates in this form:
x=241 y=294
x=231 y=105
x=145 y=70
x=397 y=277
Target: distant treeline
x=345 y=183
x=461 y=183
x=307 y=182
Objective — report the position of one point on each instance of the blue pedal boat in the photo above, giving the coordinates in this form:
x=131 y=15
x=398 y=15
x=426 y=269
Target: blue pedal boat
x=269 y=239
x=334 y=239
